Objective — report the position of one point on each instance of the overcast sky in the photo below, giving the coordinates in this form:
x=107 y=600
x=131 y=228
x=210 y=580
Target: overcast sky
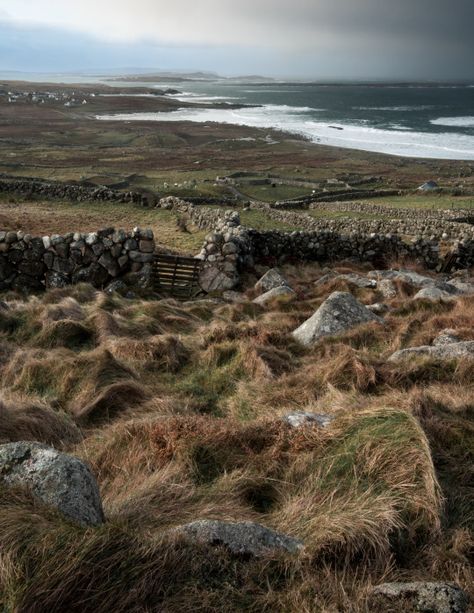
x=363 y=39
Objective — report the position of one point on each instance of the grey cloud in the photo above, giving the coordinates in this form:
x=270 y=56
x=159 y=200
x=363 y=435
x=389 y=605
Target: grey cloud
x=411 y=36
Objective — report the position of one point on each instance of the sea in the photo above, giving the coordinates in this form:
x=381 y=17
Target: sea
x=426 y=121
x=412 y=120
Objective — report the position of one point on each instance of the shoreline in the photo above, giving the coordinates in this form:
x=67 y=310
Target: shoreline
x=339 y=135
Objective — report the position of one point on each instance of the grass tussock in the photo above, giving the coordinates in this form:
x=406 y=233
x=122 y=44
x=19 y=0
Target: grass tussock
x=179 y=407
x=24 y=420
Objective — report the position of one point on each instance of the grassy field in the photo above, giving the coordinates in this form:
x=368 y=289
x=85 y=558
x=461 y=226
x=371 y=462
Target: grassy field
x=41 y=218
x=178 y=409
x=432 y=202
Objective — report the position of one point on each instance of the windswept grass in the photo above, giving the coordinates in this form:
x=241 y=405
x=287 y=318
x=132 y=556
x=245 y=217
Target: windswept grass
x=178 y=408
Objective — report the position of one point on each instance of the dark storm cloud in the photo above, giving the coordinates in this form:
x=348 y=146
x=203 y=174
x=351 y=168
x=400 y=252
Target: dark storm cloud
x=353 y=38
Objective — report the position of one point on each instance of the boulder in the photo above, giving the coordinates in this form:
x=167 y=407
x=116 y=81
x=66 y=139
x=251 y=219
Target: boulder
x=432 y=293
x=358 y=280
x=339 y=313
x=212 y=279
x=245 y=538
x=270 y=280
x=299 y=419
x=446 y=352
x=58 y=480
x=463 y=288
x=446 y=337
x=422 y=596
x=407 y=276
x=283 y=293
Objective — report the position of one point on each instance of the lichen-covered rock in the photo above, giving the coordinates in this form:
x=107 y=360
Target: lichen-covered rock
x=282 y=293
x=56 y=279
x=59 y=480
x=358 y=280
x=271 y=280
x=407 y=276
x=463 y=288
x=446 y=352
x=339 y=313
x=116 y=287
x=387 y=289
x=299 y=419
x=447 y=337
x=432 y=293
x=422 y=596
x=245 y=538
x=213 y=279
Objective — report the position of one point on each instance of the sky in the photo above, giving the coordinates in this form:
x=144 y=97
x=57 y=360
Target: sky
x=320 y=39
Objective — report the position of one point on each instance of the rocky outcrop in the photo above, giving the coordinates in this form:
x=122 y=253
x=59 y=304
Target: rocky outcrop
x=58 y=480
x=338 y=314
x=244 y=538
x=422 y=596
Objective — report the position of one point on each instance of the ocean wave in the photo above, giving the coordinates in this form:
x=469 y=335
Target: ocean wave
x=403 y=108
x=338 y=134
x=455 y=122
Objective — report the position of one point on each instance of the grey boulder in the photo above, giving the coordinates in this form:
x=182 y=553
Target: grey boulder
x=441 y=352
x=423 y=596
x=277 y=293
x=212 y=279
x=270 y=280
x=358 y=280
x=432 y=293
x=58 y=480
x=338 y=314
x=245 y=538
x=446 y=337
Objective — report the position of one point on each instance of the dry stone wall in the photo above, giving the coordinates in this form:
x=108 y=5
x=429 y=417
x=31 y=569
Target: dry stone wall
x=69 y=191
x=30 y=263
x=231 y=247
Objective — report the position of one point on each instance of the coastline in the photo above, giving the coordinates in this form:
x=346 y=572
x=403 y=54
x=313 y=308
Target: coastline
x=406 y=144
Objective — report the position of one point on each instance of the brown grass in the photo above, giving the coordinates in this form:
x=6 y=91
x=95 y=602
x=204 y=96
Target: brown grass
x=178 y=408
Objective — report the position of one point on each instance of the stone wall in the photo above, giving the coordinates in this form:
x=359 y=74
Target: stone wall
x=231 y=247
x=31 y=263
x=421 y=224
x=69 y=191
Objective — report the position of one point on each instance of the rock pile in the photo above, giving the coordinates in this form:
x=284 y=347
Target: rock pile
x=225 y=252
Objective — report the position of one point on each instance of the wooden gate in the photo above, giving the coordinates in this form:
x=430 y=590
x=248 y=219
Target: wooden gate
x=177 y=275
